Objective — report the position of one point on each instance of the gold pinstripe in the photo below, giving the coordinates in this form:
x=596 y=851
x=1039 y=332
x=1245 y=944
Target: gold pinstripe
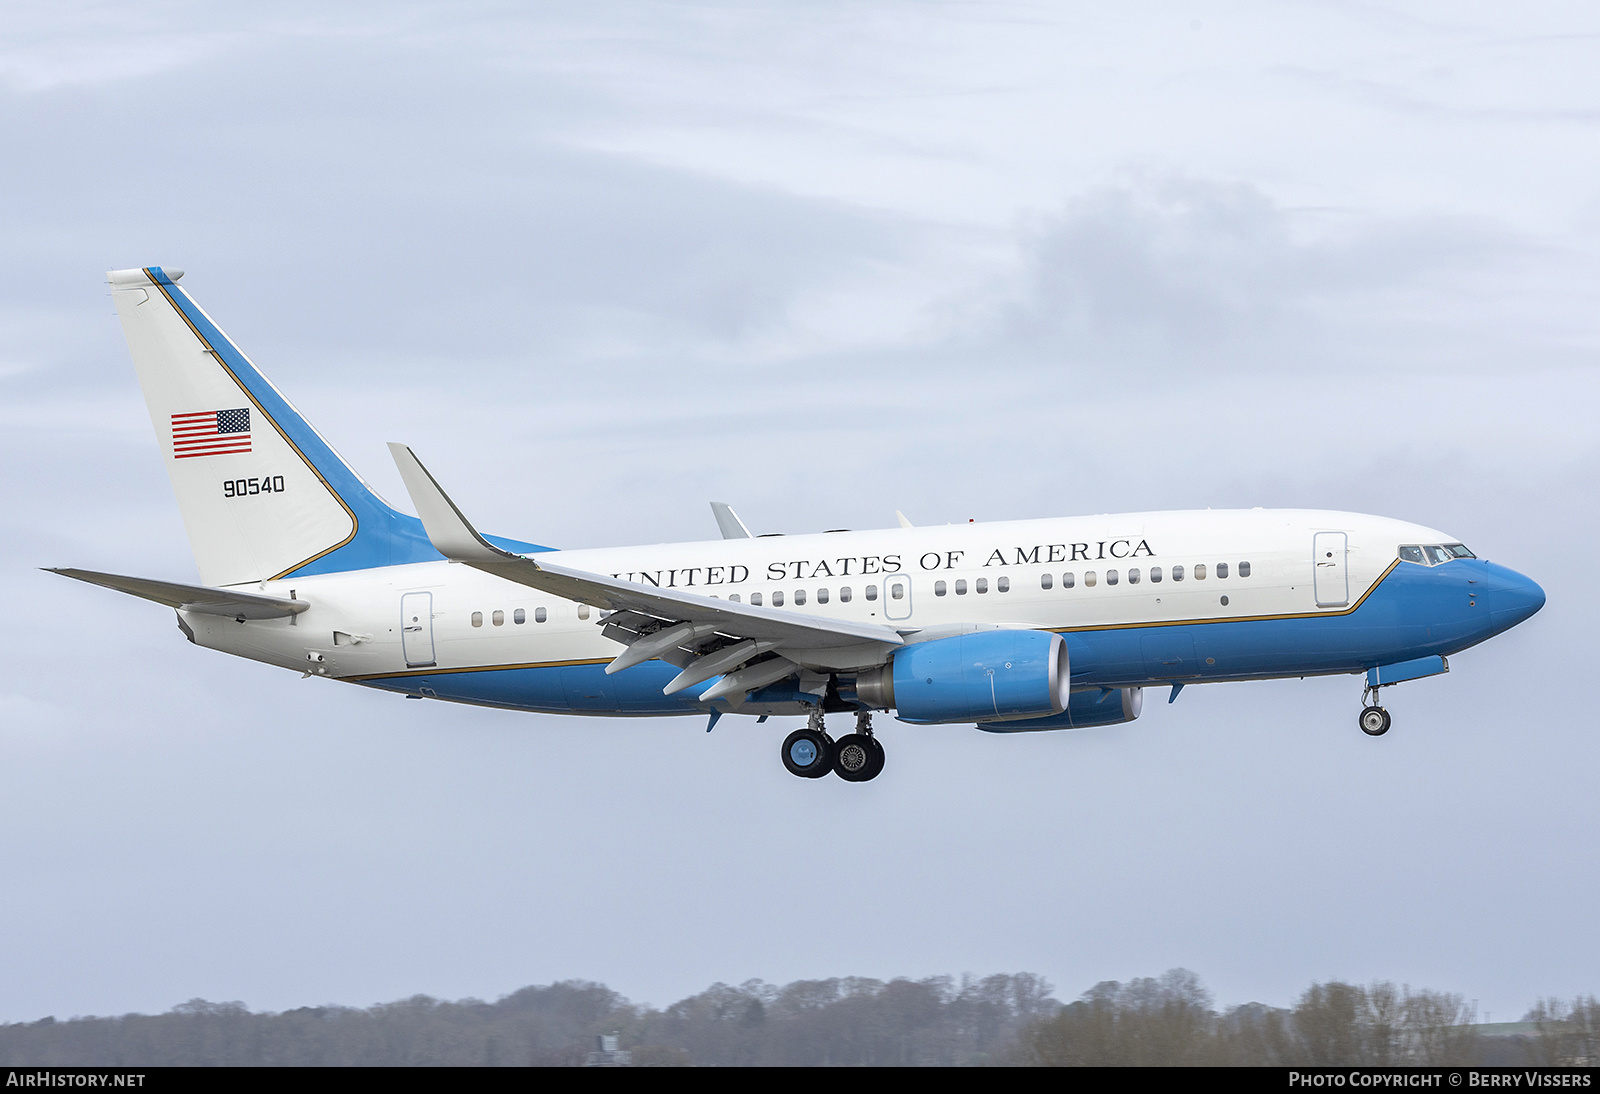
x=478 y=668
x=1234 y=618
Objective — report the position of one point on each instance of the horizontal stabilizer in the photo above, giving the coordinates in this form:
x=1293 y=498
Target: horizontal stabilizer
x=193 y=598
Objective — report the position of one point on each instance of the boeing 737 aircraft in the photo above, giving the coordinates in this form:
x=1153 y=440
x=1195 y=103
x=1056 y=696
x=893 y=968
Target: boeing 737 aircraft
x=1023 y=625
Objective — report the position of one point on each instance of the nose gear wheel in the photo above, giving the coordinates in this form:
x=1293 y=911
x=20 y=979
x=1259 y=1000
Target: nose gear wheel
x=1374 y=721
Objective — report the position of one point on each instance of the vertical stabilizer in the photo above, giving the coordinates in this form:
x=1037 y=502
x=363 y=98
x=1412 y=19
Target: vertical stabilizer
x=263 y=496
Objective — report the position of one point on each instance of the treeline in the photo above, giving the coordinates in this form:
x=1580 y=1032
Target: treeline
x=1171 y=1021
x=809 y=1022
x=993 y=1020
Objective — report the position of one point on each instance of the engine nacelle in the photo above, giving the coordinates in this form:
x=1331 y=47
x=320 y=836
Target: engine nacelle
x=1092 y=707
x=972 y=677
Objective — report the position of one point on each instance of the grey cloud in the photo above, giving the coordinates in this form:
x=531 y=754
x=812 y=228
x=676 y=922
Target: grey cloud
x=343 y=187
x=1176 y=273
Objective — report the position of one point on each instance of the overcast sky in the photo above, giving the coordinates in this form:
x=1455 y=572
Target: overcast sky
x=602 y=263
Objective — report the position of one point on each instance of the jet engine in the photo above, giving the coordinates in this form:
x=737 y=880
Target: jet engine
x=1088 y=708
x=970 y=678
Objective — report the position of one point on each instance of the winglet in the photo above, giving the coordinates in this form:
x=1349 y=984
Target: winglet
x=901 y=517
x=728 y=521
x=450 y=532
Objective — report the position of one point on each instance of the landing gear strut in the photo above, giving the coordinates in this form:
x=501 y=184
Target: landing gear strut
x=1374 y=720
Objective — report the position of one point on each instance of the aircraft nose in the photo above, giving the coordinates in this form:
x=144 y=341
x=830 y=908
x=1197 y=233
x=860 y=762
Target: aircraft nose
x=1514 y=597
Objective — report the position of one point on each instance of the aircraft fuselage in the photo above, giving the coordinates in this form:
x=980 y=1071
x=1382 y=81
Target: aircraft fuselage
x=1142 y=599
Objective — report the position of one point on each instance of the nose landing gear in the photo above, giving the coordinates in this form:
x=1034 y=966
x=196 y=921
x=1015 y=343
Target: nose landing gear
x=1374 y=720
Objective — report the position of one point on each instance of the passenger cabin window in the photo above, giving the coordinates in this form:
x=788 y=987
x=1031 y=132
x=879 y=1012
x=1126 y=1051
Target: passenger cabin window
x=1089 y=578
x=755 y=598
x=477 y=619
x=583 y=611
x=1068 y=581
x=1155 y=575
x=1244 y=569
x=735 y=598
x=822 y=596
x=498 y=618
x=898 y=590
x=1200 y=571
x=799 y=597
x=961 y=586
x=981 y=585
x=1111 y=577
x=1133 y=576
x=777 y=599
x=1002 y=584
x=519 y=616
x=940 y=588
x=540 y=615
x=844 y=594
x=1177 y=573
x=1222 y=570
x=872 y=592
x=1045 y=581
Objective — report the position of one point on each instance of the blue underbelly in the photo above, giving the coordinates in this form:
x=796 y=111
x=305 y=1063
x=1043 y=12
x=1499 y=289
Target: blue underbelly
x=557 y=689
x=1412 y=613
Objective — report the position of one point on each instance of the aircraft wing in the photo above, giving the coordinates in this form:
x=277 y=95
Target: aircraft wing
x=232 y=603
x=705 y=636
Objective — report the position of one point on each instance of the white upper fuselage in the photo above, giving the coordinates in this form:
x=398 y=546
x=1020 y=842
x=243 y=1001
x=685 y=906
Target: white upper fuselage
x=353 y=627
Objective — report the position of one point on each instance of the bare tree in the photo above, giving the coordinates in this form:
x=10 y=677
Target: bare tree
x=1568 y=1033
x=1440 y=1028
x=1146 y=1022
x=1331 y=1020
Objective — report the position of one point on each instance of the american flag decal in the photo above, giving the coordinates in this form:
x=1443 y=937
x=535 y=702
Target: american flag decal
x=210 y=432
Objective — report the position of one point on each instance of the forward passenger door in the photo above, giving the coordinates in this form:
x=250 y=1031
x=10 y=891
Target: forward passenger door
x=1330 y=573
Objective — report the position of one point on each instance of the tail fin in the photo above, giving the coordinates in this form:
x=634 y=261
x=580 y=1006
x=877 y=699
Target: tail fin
x=263 y=496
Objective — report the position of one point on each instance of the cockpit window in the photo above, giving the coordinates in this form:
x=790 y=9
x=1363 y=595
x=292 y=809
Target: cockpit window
x=1433 y=554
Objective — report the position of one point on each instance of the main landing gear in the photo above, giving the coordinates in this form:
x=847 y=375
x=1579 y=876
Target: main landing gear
x=1374 y=720
x=856 y=757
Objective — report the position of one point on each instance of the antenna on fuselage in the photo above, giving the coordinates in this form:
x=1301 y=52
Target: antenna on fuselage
x=727 y=520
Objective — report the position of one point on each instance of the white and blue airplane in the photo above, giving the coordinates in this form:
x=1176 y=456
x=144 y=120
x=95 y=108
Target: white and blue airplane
x=1015 y=626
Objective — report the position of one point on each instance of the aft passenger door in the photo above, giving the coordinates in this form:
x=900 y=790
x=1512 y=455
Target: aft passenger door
x=1330 y=575
x=416 y=629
